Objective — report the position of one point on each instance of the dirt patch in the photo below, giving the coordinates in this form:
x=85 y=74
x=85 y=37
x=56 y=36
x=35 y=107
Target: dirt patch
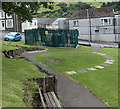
x=53 y=60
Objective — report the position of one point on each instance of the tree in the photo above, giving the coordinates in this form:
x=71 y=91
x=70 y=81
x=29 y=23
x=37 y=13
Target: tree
x=24 y=10
x=62 y=6
x=115 y=5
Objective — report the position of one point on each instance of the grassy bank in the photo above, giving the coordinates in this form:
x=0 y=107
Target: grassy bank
x=14 y=72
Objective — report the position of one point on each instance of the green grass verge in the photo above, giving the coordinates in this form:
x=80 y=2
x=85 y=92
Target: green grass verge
x=70 y=61
x=13 y=73
x=103 y=83
x=5 y=45
x=79 y=48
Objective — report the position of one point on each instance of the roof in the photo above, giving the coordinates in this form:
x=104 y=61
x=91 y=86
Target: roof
x=101 y=12
x=93 y=13
x=58 y=19
x=81 y=14
x=41 y=20
x=50 y=21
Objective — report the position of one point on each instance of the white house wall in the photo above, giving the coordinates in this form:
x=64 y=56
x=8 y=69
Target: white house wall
x=99 y=32
x=27 y=25
x=52 y=26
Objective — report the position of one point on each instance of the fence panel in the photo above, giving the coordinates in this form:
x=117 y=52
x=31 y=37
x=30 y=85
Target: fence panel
x=52 y=38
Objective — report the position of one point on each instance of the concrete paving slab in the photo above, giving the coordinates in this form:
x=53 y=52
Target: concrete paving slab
x=108 y=62
x=101 y=67
x=82 y=71
x=102 y=54
x=99 y=53
x=105 y=64
x=71 y=72
x=91 y=69
x=94 y=52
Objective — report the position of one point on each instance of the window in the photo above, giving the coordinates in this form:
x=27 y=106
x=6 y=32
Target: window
x=102 y=22
x=3 y=14
x=3 y=23
x=75 y=23
x=106 y=21
x=9 y=23
x=109 y=21
x=8 y=16
x=34 y=23
x=17 y=34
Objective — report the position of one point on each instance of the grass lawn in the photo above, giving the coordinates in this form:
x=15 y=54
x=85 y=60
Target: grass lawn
x=12 y=45
x=103 y=83
x=79 y=48
x=13 y=73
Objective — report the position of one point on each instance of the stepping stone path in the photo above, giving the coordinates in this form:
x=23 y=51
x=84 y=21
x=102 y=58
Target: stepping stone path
x=101 y=67
x=99 y=53
x=106 y=63
x=94 y=52
x=71 y=72
x=109 y=61
x=82 y=71
x=103 y=54
x=91 y=69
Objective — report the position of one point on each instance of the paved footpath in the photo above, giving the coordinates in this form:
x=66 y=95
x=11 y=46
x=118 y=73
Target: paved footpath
x=72 y=94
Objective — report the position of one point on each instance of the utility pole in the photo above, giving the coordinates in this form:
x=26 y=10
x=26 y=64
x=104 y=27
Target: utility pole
x=114 y=23
x=90 y=37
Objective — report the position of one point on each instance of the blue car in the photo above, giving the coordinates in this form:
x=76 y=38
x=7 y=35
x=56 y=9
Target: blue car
x=13 y=36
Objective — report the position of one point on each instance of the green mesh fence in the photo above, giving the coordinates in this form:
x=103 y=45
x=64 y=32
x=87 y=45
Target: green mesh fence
x=52 y=38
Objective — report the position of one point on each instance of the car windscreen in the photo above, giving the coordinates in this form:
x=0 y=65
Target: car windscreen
x=11 y=34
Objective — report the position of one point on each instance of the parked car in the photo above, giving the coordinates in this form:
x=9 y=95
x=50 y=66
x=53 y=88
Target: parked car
x=13 y=36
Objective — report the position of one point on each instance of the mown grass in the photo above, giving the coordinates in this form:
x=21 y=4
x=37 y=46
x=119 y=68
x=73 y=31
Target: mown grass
x=79 y=48
x=14 y=71
x=71 y=61
x=14 y=45
x=103 y=83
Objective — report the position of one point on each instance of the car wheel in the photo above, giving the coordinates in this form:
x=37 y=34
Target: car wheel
x=13 y=40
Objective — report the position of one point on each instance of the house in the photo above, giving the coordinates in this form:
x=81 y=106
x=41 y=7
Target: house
x=96 y=24
x=36 y=23
x=63 y=24
x=41 y=22
x=30 y=25
x=9 y=23
x=54 y=23
x=49 y=23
